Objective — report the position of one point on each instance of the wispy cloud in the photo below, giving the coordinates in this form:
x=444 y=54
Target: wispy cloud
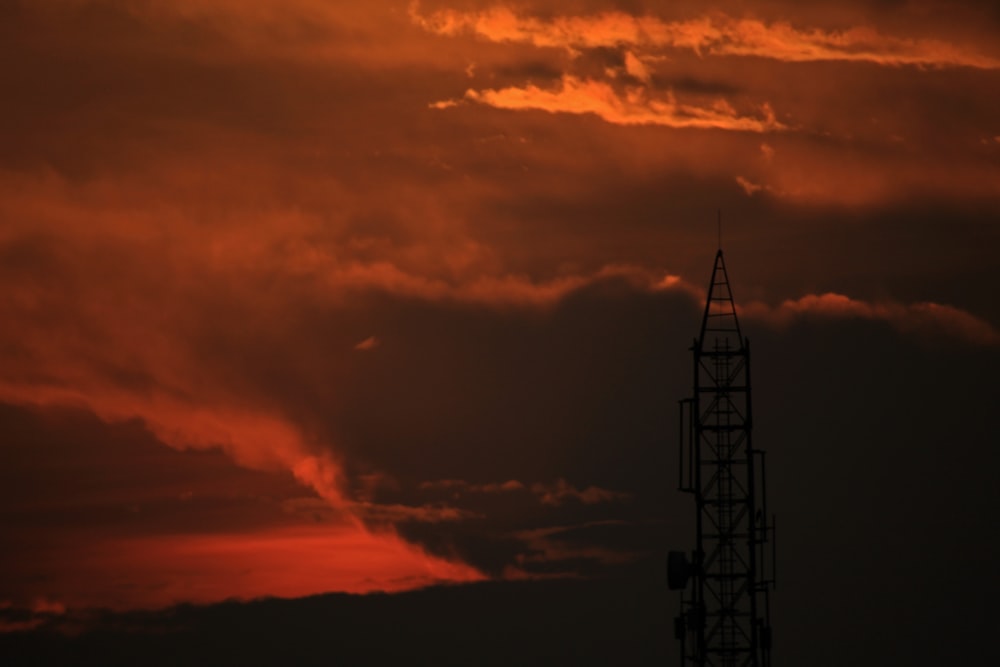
x=394 y=513
x=634 y=106
x=714 y=34
x=550 y=545
x=749 y=186
x=556 y=493
x=457 y=485
x=561 y=492
x=922 y=318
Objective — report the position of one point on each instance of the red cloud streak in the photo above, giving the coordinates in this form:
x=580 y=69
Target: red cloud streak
x=156 y=571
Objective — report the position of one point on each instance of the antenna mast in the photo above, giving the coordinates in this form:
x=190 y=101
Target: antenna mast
x=725 y=613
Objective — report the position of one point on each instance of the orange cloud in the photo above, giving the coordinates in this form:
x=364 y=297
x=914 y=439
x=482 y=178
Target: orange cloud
x=634 y=107
x=923 y=318
x=503 y=290
x=748 y=186
x=711 y=35
x=283 y=181
x=635 y=67
x=122 y=338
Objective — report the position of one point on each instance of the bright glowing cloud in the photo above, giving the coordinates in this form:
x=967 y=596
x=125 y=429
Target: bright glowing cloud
x=636 y=68
x=634 y=106
x=712 y=35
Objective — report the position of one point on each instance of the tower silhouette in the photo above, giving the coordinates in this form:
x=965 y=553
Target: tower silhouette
x=725 y=584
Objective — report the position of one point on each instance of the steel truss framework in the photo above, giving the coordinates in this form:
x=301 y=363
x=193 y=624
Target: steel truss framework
x=725 y=615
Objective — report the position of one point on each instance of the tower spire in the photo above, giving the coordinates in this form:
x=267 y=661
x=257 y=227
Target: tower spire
x=725 y=615
x=720 y=320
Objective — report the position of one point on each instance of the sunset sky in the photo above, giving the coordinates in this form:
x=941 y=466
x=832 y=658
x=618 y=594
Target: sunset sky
x=302 y=296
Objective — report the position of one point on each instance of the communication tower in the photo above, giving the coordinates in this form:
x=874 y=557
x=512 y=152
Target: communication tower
x=725 y=582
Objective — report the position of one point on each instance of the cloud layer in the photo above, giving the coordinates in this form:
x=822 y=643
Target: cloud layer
x=415 y=286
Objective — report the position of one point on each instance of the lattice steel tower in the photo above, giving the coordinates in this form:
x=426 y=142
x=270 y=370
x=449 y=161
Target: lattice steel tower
x=725 y=615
